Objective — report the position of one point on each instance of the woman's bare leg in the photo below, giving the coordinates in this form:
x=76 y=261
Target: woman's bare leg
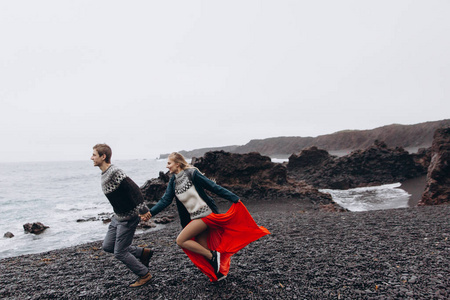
x=194 y=228
x=202 y=238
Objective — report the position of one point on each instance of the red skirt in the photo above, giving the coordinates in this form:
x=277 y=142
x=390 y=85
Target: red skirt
x=228 y=233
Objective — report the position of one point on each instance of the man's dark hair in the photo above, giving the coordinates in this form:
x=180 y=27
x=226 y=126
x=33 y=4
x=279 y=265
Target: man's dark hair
x=104 y=149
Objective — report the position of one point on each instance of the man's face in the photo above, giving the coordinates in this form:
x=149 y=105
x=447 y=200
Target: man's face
x=97 y=159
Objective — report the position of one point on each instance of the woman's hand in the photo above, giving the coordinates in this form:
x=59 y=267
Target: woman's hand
x=145 y=217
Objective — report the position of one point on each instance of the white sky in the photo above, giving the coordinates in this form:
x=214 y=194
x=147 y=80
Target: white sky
x=151 y=77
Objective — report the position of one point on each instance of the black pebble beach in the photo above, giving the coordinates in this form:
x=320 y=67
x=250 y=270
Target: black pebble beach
x=385 y=254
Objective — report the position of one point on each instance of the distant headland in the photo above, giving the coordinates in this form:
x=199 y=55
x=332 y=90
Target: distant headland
x=410 y=137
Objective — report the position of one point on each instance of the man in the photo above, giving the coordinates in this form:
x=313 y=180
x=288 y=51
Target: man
x=129 y=207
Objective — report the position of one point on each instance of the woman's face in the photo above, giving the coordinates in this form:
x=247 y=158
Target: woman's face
x=173 y=167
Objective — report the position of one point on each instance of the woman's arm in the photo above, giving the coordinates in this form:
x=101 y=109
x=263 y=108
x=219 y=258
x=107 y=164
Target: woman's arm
x=166 y=199
x=213 y=187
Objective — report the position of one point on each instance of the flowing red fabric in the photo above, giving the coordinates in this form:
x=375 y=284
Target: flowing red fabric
x=228 y=233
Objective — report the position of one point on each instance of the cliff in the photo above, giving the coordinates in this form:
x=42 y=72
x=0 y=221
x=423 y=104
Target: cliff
x=437 y=190
x=407 y=136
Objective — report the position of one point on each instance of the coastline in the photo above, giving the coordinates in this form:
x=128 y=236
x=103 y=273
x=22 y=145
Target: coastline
x=398 y=253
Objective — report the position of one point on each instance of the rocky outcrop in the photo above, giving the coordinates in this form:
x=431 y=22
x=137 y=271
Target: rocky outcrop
x=422 y=157
x=253 y=176
x=241 y=169
x=154 y=189
x=376 y=165
x=310 y=159
x=437 y=190
x=36 y=228
x=8 y=235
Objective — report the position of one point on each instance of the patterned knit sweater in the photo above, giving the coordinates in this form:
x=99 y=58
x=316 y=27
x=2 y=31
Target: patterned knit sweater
x=188 y=195
x=123 y=194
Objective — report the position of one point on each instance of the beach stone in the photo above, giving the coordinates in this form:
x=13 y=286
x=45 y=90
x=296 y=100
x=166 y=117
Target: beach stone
x=35 y=228
x=8 y=235
x=437 y=190
x=105 y=217
x=154 y=189
x=147 y=224
x=164 y=220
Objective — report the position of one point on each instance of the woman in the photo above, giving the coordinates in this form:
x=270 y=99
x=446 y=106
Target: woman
x=208 y=238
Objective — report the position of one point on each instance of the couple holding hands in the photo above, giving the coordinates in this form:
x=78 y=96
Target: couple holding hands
x=208 y=237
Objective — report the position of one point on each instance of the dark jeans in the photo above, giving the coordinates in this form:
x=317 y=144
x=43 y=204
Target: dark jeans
x=118 y=241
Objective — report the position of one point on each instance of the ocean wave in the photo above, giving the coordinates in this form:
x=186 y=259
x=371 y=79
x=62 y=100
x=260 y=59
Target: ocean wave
x=57 y=194
x=387 y=196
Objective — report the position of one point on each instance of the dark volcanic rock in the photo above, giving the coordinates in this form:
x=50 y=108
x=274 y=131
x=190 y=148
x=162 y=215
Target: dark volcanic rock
x=309 y=158
x=422 y=158
x=375 y=165
x=152 y=191
x=253 y=176
x=437 y=190
x=154 y=188
x=242 y=169
x=35 y=228
x=8 y=235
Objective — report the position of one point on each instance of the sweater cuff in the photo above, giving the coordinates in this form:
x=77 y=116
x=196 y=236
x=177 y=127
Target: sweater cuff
x=143 y=209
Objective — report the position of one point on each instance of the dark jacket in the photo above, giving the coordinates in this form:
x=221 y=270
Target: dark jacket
x=201 y=183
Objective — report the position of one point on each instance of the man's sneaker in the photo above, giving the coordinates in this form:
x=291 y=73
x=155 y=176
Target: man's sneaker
x=147 y=253
x=220 y=276
x=215 y=261
x=142 y=281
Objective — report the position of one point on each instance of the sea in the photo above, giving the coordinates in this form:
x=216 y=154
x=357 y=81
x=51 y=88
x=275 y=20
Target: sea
x=58 y=194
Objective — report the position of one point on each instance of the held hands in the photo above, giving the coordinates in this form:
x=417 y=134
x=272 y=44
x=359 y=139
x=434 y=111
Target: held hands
x=145 y=217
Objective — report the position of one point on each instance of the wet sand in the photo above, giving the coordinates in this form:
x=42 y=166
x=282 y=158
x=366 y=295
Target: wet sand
x=415 y=187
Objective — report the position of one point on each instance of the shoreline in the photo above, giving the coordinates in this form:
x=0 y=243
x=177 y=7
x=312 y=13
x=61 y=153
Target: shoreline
x=309 y=254
x=414 y=187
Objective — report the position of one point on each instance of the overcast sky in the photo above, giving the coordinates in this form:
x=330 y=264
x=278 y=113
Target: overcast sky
x=151 y=77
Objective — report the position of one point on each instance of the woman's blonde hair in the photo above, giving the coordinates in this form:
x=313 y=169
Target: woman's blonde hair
x=179 y=159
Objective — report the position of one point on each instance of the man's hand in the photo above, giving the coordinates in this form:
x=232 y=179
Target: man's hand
x=145 y=217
